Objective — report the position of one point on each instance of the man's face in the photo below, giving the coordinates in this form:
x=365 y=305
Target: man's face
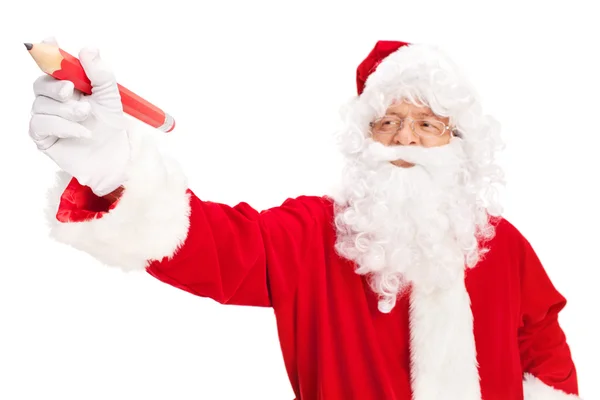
x=429 y=129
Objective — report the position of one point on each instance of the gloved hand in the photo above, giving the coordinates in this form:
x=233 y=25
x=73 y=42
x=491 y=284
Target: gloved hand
x=85 y=135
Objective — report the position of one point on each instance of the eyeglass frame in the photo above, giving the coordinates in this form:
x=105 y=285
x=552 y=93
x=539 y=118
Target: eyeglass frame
x=453 y=130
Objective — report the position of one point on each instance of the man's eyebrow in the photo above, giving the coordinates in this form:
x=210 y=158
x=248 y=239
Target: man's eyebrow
x=425 y=114
x=418 y=114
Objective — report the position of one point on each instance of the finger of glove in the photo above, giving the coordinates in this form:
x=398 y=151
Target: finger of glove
x=104 y=85
x=72 y=110
x=41 y=126
x=56 y=89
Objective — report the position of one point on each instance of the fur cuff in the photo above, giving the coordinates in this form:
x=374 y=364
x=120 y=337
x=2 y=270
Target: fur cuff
x=150 y=221
x=535 y=389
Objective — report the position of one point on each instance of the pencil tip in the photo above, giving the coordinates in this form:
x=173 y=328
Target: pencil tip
x=29 y=46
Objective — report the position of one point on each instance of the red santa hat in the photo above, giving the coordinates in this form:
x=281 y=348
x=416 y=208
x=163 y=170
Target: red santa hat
x=382 y=49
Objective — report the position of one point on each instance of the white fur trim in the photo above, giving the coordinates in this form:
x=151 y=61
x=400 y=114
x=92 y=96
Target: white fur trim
x=443 y=354
x=535 y=389
x=150 y=221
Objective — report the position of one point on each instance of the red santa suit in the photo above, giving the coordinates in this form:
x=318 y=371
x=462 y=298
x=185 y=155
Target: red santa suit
x=491 y=335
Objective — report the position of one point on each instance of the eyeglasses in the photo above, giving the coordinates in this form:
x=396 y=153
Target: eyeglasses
x=426 y=128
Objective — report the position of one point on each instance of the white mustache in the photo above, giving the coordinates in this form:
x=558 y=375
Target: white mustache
x=428 y=157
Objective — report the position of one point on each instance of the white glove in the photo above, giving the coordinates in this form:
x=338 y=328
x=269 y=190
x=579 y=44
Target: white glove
x=85 y=135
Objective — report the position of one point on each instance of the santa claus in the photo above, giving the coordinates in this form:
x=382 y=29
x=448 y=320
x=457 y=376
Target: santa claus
x=406 y=284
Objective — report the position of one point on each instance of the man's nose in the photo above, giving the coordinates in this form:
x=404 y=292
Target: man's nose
x=405 y=136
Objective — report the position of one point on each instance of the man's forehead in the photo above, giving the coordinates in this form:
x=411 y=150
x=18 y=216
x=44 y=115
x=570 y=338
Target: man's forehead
x=404 y=108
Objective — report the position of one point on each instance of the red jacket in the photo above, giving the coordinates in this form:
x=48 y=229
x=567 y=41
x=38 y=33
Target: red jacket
x=335 y=342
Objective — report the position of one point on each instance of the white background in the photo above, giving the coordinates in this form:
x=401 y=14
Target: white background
x=71 y=328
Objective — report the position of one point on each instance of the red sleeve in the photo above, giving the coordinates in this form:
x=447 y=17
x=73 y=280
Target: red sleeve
x=231 y=254
x=235 y=254
x=545 y=354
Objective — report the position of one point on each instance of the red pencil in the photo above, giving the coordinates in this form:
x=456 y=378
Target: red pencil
x=61 y=65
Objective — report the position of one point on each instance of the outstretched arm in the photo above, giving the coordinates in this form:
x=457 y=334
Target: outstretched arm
x=232 y=254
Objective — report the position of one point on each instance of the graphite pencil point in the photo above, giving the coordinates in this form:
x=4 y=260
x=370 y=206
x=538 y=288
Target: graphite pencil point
x=29 y=46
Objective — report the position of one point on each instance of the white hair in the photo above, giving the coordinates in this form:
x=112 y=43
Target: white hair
x=423 y=223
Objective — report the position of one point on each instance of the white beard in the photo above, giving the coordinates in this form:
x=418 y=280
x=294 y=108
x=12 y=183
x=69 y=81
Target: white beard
x=410 y=225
